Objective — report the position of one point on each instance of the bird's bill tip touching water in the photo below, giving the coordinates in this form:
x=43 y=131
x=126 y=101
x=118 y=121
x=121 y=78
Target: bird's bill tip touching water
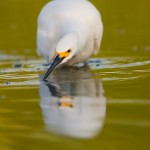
x=58 y=59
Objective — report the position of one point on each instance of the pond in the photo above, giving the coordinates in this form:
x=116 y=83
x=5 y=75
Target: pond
x=105 y=105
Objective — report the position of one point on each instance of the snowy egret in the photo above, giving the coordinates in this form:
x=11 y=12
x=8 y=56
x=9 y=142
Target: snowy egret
x=69 y=31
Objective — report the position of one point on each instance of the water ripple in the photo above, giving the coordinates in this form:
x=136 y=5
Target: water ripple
x=24 y=71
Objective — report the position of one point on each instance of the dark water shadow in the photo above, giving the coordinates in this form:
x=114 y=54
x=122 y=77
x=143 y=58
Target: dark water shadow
x=73 y=103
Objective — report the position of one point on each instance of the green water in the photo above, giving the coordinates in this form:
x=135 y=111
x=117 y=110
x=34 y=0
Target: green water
x=121 y=81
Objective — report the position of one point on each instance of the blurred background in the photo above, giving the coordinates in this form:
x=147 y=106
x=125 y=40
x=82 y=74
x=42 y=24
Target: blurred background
x=124 y=77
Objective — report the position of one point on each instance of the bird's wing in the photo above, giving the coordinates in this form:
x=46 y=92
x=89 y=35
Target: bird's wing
x=97 y=42
x=47 y=32
x=98 y=37
x=46 y=41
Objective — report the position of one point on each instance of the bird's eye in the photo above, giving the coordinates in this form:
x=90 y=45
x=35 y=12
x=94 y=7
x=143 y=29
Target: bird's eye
x=69 y=50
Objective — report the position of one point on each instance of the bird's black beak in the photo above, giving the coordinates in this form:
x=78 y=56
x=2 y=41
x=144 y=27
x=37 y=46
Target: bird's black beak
x=56 y=61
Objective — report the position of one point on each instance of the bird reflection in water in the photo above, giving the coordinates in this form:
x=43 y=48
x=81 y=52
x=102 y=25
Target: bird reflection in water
x=73 y=103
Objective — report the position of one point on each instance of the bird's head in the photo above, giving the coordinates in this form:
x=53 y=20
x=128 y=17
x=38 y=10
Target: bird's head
x=65 y=50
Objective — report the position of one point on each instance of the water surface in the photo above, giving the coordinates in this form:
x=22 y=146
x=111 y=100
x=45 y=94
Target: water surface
x=107 y=102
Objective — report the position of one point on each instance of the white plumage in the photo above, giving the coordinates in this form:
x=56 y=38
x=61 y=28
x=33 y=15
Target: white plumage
x=69 y=24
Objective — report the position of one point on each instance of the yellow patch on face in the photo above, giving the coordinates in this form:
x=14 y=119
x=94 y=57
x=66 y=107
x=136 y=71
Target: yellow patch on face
x=64 y=54
x=66 y=101
x=66 y=104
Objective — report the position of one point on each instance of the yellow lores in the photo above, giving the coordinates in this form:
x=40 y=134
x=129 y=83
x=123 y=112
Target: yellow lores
x=59 y=57
x=64 y=54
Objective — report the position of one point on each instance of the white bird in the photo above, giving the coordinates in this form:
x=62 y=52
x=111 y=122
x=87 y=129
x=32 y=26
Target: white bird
x=69 y=31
